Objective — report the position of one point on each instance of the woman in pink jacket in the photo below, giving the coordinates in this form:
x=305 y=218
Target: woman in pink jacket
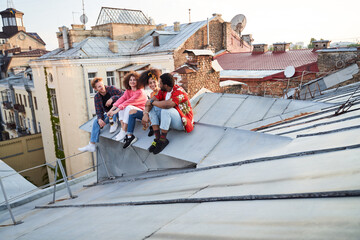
x=132 y=100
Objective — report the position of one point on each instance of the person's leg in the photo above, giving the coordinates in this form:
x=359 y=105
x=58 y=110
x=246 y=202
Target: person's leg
x=170 y=118
x=134 y=114
x=122 y=132
x=154 y=116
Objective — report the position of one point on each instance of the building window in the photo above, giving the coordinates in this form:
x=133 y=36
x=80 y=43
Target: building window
x=55 y=111
x=5 y=22
x=5 y=115
x=19 y=22
x=39 y=127
x=25 y=101
x=29 y=125
x=12 y=22
x=91 y=76
x=17 y=98
x=59 y=138
x=35 y=103
x=110 y=78
x=20 y=99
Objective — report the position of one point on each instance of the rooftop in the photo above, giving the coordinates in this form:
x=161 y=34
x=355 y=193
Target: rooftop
x=296 y=175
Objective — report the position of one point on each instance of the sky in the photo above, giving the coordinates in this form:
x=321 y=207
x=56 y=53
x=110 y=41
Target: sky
x=268 y=21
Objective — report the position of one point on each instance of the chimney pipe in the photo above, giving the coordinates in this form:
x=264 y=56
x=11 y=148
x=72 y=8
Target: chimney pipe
x=65 y=38
x=113 y=46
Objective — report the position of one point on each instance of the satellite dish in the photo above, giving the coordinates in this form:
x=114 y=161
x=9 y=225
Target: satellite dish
x=238 y=23
x=83 y=19
x=289 y=71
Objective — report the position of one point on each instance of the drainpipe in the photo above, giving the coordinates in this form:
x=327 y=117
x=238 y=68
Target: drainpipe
x=65 y=38
x=87 y=109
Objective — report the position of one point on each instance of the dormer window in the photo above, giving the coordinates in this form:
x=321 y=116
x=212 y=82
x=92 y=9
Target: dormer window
x=156 y=41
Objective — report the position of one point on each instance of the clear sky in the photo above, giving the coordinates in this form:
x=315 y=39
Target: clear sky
x=268 y=21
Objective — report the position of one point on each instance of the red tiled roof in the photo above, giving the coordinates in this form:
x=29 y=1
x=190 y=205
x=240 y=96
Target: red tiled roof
x=267 y=61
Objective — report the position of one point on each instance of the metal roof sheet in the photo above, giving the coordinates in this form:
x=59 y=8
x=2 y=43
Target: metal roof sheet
x=132 y=67
x=118 y=15
x=247 y=73
x=266 y=61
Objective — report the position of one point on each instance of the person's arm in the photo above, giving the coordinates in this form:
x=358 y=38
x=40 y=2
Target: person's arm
x=131 y=100
x=115 y=93
x=148 y=107
x=98 y=107
x=166 y=104
x=121 y=99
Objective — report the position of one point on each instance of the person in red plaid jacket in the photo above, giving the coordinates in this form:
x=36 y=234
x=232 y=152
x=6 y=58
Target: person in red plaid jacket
x=104 y=99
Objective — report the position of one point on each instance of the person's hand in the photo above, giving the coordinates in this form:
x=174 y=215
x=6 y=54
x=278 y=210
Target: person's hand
x=145 y=120
x=101 y=123
x=109 y=102
x=110 y=113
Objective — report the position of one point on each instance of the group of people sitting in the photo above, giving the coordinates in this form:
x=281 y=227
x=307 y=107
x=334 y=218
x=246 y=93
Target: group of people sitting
x=167 y=106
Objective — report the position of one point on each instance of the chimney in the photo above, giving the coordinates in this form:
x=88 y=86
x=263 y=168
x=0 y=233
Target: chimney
x=260 y=48
x=281 y=47
x=176 y=26
x=160 y=27
x=322 y=44
x=113 y=46
x=247 y=38
x=77 y=27
x=64 y=31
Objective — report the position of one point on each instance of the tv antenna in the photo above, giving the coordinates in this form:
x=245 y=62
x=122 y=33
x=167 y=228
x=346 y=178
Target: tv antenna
x=83 y=17
x=238 y=23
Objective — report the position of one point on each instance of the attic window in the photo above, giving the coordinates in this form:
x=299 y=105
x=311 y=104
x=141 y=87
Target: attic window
x=156 y=41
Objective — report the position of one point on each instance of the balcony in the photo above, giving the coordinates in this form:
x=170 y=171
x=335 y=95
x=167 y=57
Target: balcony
x=20 y=108
x=7 y=105
x=11 y=125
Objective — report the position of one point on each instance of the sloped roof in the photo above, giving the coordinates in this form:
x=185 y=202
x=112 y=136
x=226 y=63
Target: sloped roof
x=266 y=61
x=306 y=190
x=36 y=36
x=35 y=52
x=99 y=46
x=118 y=15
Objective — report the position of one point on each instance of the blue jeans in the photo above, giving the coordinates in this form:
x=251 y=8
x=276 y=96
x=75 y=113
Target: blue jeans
x=95 y=132
x=166 y=118
x=132 y=121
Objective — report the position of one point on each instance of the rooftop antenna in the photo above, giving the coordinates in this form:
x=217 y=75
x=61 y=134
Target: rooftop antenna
x=10 y=4
x=189 y=15
x=238 y=23
x=83 y=17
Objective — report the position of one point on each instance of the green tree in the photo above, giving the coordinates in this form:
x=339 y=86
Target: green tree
x=311 y=45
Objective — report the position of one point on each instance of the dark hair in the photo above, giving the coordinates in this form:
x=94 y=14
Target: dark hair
x=127 y=79
x=94 y=81
x=151 y=73
x=167 y=79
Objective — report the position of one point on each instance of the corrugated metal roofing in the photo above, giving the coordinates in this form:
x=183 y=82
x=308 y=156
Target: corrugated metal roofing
x=133 y=67
x=117 y=15
x=267 y=61
x=306 y=190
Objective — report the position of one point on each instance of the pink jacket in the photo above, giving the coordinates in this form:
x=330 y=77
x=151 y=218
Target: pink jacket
x=136 y=98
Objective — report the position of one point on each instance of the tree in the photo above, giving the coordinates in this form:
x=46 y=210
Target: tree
x=311 y=45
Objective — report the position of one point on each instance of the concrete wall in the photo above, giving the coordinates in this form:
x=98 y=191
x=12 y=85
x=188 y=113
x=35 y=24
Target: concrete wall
x=24 y=43
x=23 y=153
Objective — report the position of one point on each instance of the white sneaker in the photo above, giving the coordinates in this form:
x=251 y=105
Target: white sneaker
x=113 y=127
x=88 y=148
x=120 y=135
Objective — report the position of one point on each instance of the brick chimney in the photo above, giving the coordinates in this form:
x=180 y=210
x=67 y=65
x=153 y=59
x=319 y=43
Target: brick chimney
x=113 y=46
x=281 y=47
x=176 y=26
x=160 y=27
x=260 y=48
x=247 y=38
x=322 y=44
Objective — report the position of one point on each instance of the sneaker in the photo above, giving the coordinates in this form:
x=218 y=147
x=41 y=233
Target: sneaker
x=153 y=145
x=160 y=145
x=151 y=132
x=113 y=127
x=88 y=148
x=120 y=135
x=129 y=141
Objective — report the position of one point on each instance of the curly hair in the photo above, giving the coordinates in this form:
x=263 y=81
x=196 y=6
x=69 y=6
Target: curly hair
x=94 y=81
x=151 y=73
x=127 y=79
x=167 y=79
